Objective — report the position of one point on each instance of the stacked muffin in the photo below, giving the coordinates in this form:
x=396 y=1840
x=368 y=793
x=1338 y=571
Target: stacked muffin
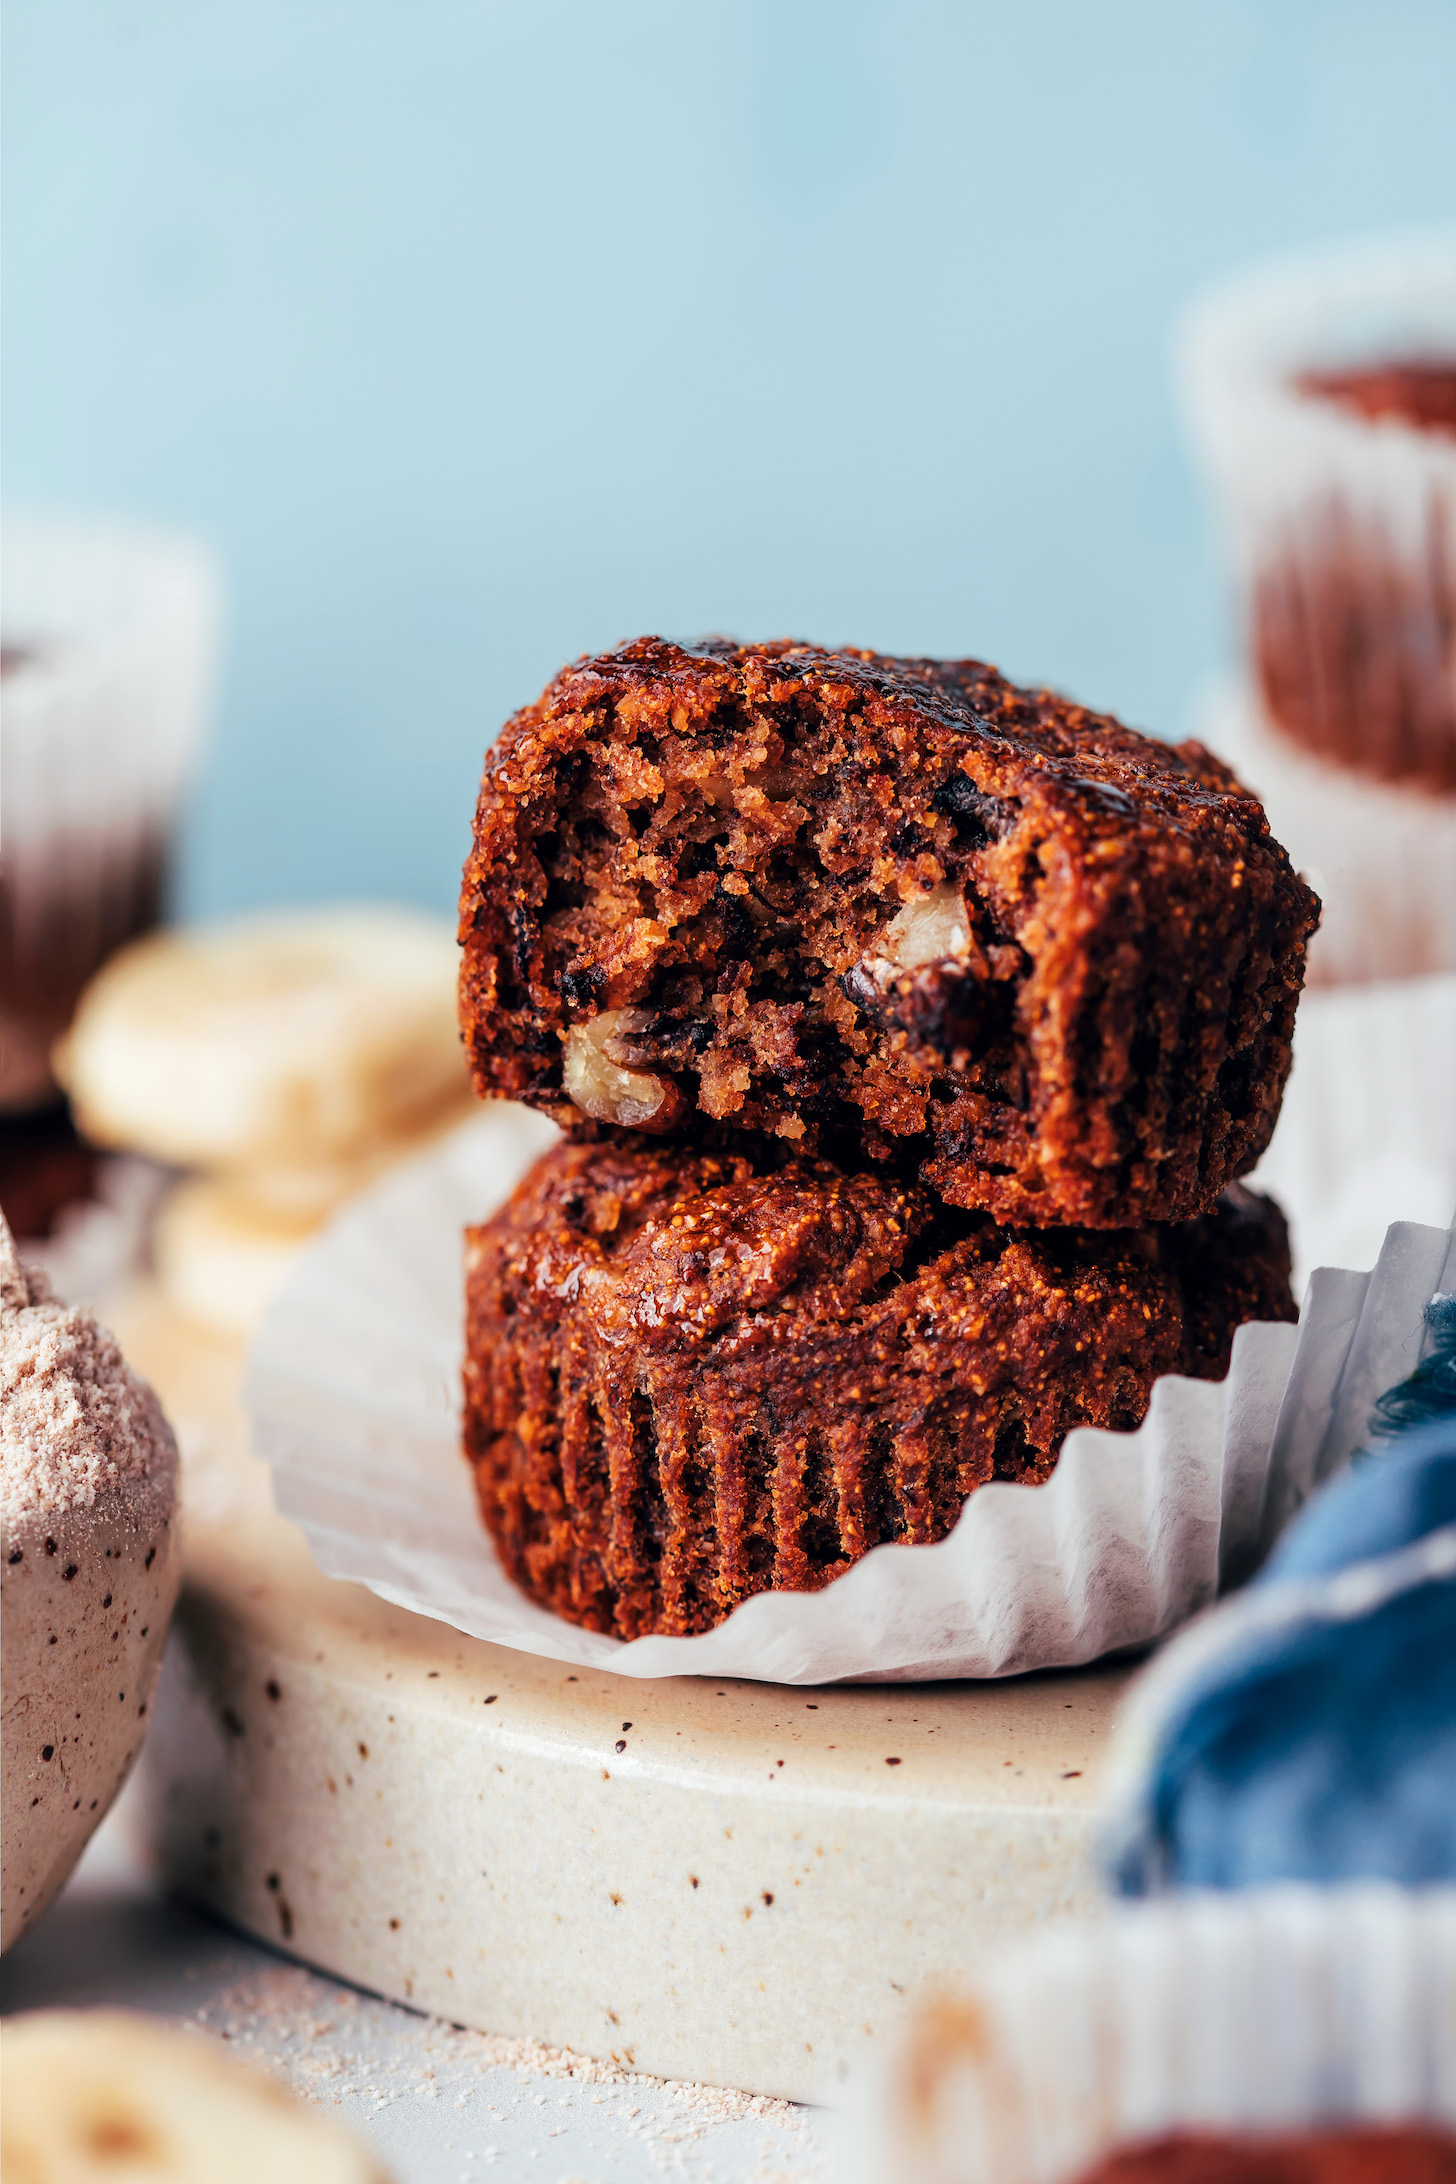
x=910 y=1030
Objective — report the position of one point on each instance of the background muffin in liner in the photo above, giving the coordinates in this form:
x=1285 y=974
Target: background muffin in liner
x=1380 y=854
x=1277 y=2011
x=354 y=1391
x=1341 y=531
x=110 y=637
x=1367 y=1134
x=1342 y=527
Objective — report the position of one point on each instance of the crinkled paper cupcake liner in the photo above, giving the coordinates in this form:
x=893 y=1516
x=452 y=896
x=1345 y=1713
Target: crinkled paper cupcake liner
x=354 y=1393
x=1381 y=855
x=1341 y=529
x=1280 y=2010
x=112 y=636
x=1367 y=1133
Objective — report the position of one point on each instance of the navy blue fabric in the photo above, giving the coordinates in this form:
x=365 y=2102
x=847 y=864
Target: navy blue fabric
x=1315 y=1737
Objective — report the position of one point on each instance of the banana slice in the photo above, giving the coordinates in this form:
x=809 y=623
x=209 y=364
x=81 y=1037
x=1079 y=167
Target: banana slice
x=221 y=1254
x=94 y=2096
x=280 y=1040
x=222 y=1245
x=310 y=1190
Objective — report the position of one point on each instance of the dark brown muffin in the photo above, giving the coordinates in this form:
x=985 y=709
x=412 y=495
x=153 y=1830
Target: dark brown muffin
x=808 y=892
x=1389 y=2154
x=693 y=1375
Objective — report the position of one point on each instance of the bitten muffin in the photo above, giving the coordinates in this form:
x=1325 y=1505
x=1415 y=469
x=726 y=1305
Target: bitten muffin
x=695 y=1374
x=810 y=893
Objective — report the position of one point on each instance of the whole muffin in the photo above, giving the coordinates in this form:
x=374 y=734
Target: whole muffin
x=695 y=1374
x=809 y=892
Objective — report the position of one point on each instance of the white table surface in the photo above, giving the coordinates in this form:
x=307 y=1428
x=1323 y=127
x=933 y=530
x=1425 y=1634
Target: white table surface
x=435 y=2102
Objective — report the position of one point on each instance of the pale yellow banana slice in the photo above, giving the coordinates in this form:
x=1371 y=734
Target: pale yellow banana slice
x=98 y=2096
x=319 y=1035
x=221 y=1255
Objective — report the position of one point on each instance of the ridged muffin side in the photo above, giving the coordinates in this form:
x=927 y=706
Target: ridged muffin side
x=693 y=1374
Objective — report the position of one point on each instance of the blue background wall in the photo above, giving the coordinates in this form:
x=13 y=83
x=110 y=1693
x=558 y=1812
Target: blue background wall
x=476 y=335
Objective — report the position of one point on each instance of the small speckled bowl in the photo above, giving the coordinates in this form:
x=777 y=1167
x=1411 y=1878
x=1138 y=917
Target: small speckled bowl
x=88 y=1582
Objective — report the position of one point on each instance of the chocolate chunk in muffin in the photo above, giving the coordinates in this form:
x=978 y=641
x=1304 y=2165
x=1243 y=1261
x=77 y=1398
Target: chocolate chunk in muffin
x=823 y=895
x=696 y=1374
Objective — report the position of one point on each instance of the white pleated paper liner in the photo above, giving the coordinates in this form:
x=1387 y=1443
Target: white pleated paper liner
x=1381 y=855
x=1367 y=1132
x=354 y=1393
x=1271 y=450
x=1281 y=2010
x=111 y=633
x=1275 y=456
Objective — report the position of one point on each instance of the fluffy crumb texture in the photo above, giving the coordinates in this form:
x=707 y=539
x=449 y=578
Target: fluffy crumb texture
x=75 y=1422
x=693 y=1375
x=897 y=907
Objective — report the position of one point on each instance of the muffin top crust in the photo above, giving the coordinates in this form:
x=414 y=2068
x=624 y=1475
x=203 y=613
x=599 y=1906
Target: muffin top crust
x=808 y=892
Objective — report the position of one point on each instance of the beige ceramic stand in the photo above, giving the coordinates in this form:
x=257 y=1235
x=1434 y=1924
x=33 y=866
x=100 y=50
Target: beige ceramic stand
x=722 y=1881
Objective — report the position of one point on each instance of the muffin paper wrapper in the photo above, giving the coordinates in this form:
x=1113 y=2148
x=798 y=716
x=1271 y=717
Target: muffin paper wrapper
x=1285 y=2009
x=1380 y=855
x=354 y=1392
x=1367 y=1135
x=99 y=735
x=1341 y=534
x=1276 y=458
